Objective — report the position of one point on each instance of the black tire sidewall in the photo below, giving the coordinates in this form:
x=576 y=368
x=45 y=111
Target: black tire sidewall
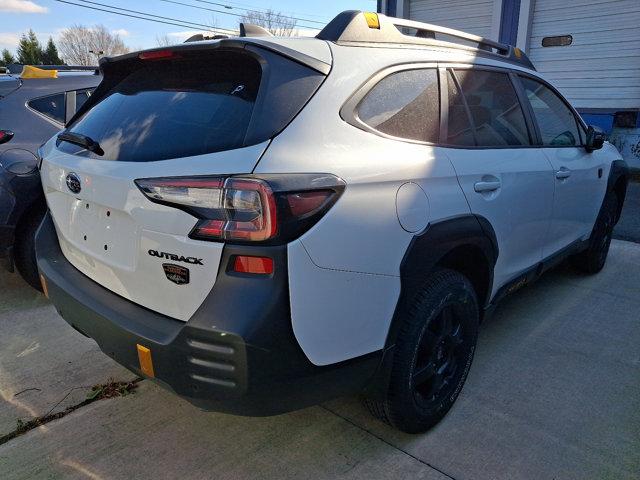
x=24 y=247
x=446 y=288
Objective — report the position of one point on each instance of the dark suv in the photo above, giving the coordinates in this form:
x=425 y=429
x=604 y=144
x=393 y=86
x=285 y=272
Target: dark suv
x=33 y=108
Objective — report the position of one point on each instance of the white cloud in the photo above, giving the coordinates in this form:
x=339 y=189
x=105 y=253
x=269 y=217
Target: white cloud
x=21 y=6
x=9 y=40
x=121 y=31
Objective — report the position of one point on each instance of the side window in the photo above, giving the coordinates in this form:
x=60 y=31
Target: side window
x=495 y=110
x=558 y=126
x=405 y=104
x=52 y=106
x=459 y=129
x=81 y=97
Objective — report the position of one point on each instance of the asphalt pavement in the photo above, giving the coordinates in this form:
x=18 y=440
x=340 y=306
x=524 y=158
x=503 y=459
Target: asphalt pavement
x=554 y=393
x=628 y=227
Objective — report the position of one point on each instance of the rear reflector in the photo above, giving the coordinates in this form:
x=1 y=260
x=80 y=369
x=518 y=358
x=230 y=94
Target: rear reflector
x=144 y=358
x=258 y=265
x=156 y=55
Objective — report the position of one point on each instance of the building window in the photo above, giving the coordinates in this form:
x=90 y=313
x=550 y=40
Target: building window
x=557 y=41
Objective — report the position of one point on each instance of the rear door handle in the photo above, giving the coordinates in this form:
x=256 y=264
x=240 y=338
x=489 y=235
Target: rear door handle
x=563 y=173
x=491 y=186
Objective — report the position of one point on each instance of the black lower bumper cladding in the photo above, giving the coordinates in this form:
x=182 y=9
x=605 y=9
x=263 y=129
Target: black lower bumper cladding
x=237 y=354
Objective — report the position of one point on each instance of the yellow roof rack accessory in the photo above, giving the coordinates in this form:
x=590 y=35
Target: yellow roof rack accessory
x=29 y=71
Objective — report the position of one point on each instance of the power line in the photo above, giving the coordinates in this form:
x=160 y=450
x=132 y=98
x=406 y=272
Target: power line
x=151 y=15
x=235 y=14
x=253 y=9
x=172 y=22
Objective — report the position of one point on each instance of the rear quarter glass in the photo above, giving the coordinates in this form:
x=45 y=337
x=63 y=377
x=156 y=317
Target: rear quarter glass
x=192 y=104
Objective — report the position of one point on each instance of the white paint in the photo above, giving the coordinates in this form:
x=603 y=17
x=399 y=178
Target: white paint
x=338 y=315
x=412 y=206
x=135 y=225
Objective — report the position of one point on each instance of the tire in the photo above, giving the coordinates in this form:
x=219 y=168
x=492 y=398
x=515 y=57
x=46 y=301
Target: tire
x=433 y=354
x=592 y=259
x=24 y=252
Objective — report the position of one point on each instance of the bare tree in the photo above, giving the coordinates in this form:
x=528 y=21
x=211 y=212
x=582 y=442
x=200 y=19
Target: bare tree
x=164 y=41
x=80 y=45
x=277 y=23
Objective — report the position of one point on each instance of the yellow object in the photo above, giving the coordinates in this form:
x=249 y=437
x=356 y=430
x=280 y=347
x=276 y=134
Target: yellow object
x=43 y=282
x=372 y=19
x=144 y=357
x=518 y=52
x=29 y=71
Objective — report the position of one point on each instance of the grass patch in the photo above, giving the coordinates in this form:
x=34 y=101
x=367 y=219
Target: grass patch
x=100 y=391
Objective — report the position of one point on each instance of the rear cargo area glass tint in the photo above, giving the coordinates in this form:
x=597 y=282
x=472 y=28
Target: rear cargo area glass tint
x=174 y=108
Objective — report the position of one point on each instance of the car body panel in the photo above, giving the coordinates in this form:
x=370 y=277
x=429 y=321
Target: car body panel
x=109 y=227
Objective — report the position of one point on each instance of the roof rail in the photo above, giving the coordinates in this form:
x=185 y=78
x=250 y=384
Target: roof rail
x=354 y=26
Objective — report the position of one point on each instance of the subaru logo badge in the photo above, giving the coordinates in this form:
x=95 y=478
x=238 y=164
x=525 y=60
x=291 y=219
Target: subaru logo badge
x=73 y=183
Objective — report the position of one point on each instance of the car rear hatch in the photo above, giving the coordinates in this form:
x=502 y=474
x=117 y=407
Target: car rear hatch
x=191 y=111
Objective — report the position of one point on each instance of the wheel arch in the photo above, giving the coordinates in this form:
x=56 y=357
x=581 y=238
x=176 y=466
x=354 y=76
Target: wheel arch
x=465 y=243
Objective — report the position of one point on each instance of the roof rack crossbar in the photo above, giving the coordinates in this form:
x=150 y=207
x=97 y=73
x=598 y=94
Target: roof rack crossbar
x=354 y=26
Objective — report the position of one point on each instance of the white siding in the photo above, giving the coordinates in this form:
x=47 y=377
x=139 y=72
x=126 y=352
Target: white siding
x=474 y=16
x=601 y=68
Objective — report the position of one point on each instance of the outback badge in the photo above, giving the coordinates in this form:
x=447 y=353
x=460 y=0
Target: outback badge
x=176 y=274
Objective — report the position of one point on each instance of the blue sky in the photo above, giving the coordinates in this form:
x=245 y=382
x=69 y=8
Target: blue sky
x=49 y=17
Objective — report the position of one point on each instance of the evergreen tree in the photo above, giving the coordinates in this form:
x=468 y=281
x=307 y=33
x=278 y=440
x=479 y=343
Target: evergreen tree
x=7 y=58
x=50 y=54
x=29 y=49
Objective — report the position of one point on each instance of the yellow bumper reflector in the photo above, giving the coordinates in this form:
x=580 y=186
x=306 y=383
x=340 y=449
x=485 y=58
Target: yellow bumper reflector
x=144 y=357
x=43 y=282
x=29 y=71
x=372 y=19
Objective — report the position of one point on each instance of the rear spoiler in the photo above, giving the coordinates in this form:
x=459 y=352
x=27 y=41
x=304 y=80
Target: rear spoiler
x=225 y=43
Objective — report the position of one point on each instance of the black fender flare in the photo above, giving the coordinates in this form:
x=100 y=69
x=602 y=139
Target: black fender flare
x=422 y=256
x=619 y=170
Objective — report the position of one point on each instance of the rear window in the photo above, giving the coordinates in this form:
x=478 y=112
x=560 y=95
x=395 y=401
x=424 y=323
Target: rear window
x=171 y=109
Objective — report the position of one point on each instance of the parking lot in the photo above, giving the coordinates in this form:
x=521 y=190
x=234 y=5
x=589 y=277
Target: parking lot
x=554 y=392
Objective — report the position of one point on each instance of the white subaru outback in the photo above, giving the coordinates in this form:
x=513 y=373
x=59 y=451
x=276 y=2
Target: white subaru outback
x=262 y=224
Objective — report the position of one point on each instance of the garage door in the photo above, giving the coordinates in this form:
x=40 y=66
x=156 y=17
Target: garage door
x=472 y=16
x=601 y=66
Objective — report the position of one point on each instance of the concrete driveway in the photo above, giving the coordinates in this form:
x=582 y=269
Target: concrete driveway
x=554 y=393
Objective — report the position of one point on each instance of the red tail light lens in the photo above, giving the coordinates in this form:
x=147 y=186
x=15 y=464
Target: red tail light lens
x=256 y=265
x=271 y=209
x=231 y=209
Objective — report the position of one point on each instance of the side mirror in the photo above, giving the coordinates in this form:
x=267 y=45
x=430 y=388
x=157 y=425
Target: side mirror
x=595 y=139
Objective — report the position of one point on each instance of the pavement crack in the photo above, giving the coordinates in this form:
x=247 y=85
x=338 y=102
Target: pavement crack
x=101 y=391
x=348 y=420
x=33 y=389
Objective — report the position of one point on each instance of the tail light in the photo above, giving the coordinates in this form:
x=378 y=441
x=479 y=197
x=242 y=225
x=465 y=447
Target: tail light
x=247 y=209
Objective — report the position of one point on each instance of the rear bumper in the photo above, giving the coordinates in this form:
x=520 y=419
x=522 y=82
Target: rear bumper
x=237 y=354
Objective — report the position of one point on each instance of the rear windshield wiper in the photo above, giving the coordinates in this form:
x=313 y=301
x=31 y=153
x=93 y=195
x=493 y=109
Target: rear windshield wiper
x=82 y=140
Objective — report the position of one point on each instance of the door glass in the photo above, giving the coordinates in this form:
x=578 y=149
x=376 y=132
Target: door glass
x=495 y=109
x=81 y=97
x=405 y=105
x=459 y=130
x=52 y=106
x=557 y=124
